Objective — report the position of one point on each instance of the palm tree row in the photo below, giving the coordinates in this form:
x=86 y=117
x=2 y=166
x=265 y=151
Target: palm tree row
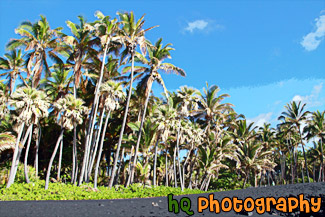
x=83 y=96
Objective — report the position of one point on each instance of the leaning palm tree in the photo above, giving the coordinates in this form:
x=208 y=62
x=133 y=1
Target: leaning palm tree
x=149 y=74
x=131 y=34
x=71 y=111
x=294 y=116
x=42 y=41
x=13 y=65
x=31 y=105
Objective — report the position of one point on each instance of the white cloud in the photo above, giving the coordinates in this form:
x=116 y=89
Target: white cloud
x=197 y=24
x=202 y=25
x=261 y=119
x=311 y=100
x=312 y=40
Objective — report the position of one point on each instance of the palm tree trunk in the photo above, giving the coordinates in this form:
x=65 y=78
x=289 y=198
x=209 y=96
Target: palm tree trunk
x=101 y=149
x=191 y=171
x=322 y=159
x=208 y=183
x=91 y=163
x=14 y=157
x=174 y=168
x=302 y=174
x=123 y=124
x=120 y=166
x=30 y=130
x=84 y=169
x=185 y=163
x=39 y=135
x=60 y=160
x=74 y=156
x=166 y=168
x=139 y=134
x=303 y=150
x=52 y=158
x=246 y=177
x=155 y=163
x=178 y=157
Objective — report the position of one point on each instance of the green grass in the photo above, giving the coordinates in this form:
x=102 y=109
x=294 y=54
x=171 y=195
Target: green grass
x=61 y=191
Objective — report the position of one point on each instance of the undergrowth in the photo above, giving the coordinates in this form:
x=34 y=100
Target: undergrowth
x=61 y=191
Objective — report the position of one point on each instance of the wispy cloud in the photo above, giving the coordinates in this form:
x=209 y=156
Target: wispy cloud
x=312 y=40
x=202 y=25
x=311 y=100
x=197 y=24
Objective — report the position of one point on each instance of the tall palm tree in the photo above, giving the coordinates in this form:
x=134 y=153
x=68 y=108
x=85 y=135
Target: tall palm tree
x=105 y=30
x=112 y=93
x=316 y=127
x=131 y=34
x=31 y=105
x=42 y=42
x=294 y=116
x=13 y=65
x=149 y=74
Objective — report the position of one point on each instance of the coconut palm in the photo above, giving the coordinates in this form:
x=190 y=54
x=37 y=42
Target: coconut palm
x=42 y=42
x=254 y=159
x=150 y=73
x=58 y=84
x=131 y=34
x=210 y=106
x=112 y=93
x=70 y=113
x=4 y=111
x=106 y=30
x=31 y=105
x=13 y=65
x=7 y=141
x=294 y=116
x=316 y=128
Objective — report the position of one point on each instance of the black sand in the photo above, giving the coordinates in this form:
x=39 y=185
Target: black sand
x=159 y=206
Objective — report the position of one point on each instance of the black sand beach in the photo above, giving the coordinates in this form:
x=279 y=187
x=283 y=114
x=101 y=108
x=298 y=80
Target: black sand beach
x=159 y=206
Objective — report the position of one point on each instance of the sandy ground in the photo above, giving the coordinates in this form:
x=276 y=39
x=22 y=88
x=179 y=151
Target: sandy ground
x=159 y=206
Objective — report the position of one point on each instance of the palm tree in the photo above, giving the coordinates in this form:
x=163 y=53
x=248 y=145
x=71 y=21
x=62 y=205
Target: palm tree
x=42 y=41
x=131 y=34
x=316 y=127
x=253 y=158
x=71 y=111
x=112 y=93
x=149 y=74
x=13 y=66
x=106 y=31
x=31 y=105
x=210 y=106
x=57 y=85
x=4 y=111
x=7 y=141
x=293 y=117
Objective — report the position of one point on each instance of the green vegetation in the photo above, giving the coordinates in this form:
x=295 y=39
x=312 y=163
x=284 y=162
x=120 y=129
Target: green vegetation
x=77 y=107
x=61 y=191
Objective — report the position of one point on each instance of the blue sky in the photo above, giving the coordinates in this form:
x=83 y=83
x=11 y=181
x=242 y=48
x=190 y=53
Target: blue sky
x=263 y=53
